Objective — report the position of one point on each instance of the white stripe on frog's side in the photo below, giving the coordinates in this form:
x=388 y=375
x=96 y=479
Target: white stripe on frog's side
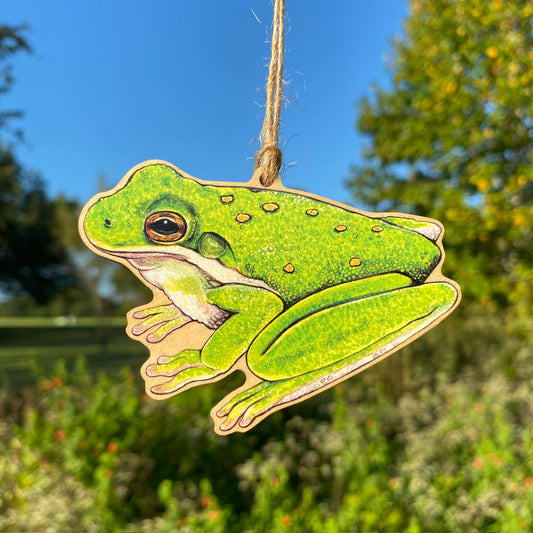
x=185 y=276
x=431 y=231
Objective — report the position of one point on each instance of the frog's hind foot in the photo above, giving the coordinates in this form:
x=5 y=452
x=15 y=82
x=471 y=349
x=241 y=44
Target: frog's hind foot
x=250 y=406
x=185 y=369
x=241 y=410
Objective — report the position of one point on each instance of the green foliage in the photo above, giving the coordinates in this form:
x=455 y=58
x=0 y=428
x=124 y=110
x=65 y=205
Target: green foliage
x=12 y=41
x=37 y=496
x=453 y=454
x=32 y=261
x=452 y=138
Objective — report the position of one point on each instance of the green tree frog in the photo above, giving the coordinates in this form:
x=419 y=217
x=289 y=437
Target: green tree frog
x=297 y=291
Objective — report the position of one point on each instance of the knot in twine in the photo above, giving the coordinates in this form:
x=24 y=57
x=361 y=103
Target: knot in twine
x=268 y=163
x=269 y=159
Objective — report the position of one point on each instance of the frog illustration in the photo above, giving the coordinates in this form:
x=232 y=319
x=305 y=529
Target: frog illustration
x=298 y=292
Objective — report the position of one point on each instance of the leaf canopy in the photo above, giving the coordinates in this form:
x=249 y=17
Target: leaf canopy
x=452 y=138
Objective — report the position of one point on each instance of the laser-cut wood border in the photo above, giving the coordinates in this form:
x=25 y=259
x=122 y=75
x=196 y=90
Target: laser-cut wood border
x=297 y=291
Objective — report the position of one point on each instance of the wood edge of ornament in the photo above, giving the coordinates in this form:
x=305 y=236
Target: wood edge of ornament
x=194 y=335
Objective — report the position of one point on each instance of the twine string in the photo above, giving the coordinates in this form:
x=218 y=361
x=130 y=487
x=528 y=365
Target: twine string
x=269 y=159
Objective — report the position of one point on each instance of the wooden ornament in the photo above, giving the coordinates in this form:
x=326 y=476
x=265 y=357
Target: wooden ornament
x=297 y=291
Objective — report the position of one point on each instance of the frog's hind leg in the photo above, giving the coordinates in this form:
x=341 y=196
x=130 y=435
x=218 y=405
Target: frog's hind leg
x=365 y=331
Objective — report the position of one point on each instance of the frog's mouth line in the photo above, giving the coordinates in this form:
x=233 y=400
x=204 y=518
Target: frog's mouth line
x=145 y=259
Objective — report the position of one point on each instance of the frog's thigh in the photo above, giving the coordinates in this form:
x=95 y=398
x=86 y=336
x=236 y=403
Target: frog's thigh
x=347 y=331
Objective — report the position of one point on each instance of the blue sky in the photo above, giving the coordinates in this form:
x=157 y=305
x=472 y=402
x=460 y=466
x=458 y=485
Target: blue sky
x=115 y=82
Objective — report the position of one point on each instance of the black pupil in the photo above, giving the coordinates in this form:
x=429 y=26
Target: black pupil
x=165 y=226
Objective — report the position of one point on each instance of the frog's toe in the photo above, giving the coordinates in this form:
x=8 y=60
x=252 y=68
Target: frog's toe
x=244 y=407
x=163 y=320
x=172 y=365
x=185 y=377
x=148 y=312
x=166 y=359
x=166 y=329
x=241 y=397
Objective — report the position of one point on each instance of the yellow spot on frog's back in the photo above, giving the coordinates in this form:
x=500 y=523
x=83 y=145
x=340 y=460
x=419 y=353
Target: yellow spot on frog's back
x=377 y=229
x=270 y=207
x=340 y=228
x=227 y=198
x=289 y=268
x=312 y=212
x=355 y=262
x=243 y=217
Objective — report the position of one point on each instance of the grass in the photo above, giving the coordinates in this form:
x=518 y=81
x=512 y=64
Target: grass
x=56 y=321
x=26 y=341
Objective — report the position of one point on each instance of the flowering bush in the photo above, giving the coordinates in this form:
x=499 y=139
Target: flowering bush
x=453 y=453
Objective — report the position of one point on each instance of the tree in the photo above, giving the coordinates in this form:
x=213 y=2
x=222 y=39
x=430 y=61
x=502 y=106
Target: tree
x=12 y=40
x=452 y=138
x=32 y=260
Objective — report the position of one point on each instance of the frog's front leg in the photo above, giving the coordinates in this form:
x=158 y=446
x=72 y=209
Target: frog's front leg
x=330 y=335
x=251 y=310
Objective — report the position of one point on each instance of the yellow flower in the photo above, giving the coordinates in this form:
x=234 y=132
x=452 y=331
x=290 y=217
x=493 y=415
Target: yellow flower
x=492 y=52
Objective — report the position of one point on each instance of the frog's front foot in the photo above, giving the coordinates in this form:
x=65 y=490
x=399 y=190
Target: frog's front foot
x=184 y=369
x=162 y=320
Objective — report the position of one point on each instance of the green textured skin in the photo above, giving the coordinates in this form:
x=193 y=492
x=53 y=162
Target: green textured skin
x=339 y=289
x=268 y=241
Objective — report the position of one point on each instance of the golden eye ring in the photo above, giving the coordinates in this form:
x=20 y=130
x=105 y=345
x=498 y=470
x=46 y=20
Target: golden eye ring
x=165 y=227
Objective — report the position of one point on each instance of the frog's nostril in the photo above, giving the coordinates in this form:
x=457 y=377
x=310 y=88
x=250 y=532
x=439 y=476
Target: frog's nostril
x=107 y=223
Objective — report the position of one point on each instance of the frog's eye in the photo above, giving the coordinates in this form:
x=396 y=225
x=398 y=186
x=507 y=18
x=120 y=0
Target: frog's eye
x=165 y=227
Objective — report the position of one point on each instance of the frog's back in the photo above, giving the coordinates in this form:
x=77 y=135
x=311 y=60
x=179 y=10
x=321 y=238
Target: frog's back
x=299 y=245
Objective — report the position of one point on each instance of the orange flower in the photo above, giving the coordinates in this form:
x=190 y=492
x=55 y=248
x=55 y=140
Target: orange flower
x=47 y=385
x=274 y=481
x=528 y=481
x=206 y=502
x=211 y=515
x=286 y=520
x=478 y=463
x=59 y=434
x=58 y=382
x=112 y=447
